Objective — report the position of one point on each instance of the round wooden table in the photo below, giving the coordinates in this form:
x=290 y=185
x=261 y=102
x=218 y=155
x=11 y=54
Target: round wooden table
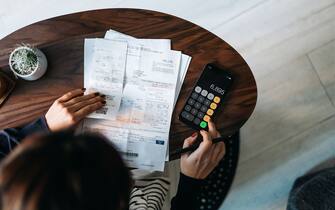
x=62 y=40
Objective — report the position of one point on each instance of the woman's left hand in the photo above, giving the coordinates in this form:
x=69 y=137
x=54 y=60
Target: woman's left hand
x=72 y=107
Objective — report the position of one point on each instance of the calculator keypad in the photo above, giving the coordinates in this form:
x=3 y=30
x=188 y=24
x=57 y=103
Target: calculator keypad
x=197 y=121
x=210 y=96
x=204 y=92
x=200 y=115
x=191 y=101
x=200 y=107
x=197 y=89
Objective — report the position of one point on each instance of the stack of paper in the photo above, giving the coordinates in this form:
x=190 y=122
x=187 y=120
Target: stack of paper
x=141 y=79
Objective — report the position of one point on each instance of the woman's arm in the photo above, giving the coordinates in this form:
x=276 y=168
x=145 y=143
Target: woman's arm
x=186 y=193
x=64 y=113
x=11 y=137
x=196 y=166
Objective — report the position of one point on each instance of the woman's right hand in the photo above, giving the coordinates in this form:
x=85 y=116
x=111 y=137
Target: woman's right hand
x=200 y=163
x=72 y=107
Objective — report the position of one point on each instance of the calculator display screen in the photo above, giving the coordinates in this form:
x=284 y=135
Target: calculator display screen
x=206 y=97
x=217 y=80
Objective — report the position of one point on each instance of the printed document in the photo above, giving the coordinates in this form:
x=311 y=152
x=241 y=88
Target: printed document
x=107 y=68
x=152 y=78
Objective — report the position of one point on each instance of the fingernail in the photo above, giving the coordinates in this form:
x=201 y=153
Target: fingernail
x=103 y=96
x=194 y=134
x=96 y=94
x=104 y=102
x=83 y=89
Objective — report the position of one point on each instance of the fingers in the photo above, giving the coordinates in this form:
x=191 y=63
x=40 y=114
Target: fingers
x=71 y=94
x=81 y=104
x=80 y=99
x=83 y=112
x=222 y=151
x=205 y=145
x=212 y=129
x=190 y=140
x=218 y=152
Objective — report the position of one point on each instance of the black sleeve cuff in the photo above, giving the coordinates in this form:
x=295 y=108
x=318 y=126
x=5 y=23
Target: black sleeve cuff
x=40 y=125
x=188 y=184
x=187 y=192
x=11 y=137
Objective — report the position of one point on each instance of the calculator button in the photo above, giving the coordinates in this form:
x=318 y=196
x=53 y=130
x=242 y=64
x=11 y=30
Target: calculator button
x=201 y=115
x=197 y=89
x=191 y=101
x=210 y=112
x=194 y=111
x=203 y=124
x=217 y=99
x=206 y=118
x=188 y=108
x=213 y=105
x=203 y=108
x=187 y=116
x=201 y=99
x=210 y=96
x=194 y=95
x=196 y=121
x=207 y=102
x=184 y=114
x=197 y=105
x=204 y=93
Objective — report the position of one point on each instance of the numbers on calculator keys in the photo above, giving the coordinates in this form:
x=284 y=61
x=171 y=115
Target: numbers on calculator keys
x=200 y=107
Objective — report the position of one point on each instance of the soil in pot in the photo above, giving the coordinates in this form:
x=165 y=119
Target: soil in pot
x=24 y=61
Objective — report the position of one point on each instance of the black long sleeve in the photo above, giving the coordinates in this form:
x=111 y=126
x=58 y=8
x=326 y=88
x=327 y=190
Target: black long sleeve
x=187 y=192
x=11 y=137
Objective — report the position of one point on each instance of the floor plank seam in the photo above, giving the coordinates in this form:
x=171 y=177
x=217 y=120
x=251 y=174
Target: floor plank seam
x=302 y=19
x=293 y=23
x=288 y=38
x=321 y=46
x=238 y=15
x=317 y=74
x=317 y=11
x=330 y=117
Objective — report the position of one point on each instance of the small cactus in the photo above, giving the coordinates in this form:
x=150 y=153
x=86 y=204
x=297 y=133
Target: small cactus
x=24 y=60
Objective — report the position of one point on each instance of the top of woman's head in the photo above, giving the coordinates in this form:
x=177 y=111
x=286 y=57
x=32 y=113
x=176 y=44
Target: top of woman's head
x=63 y=171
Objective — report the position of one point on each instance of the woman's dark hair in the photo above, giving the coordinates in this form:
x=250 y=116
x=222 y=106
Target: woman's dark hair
x=313 y=191
x=63 y=171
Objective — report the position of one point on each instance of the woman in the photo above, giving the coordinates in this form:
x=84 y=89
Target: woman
x=64 y=171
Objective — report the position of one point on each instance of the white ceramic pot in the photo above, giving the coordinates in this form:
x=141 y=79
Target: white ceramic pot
x=39 y=71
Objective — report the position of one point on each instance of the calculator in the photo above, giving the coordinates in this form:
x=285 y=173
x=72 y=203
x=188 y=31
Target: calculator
x=206 y=97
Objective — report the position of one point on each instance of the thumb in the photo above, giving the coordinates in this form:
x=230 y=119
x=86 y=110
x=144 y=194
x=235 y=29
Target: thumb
x=190 y=140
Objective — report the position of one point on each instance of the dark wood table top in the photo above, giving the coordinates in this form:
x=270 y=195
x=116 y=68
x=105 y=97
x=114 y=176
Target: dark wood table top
x=62 y=40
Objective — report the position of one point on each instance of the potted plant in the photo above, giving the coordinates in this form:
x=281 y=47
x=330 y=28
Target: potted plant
x=28 y=62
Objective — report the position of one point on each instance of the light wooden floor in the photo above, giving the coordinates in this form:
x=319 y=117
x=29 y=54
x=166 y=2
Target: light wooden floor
x=290 y=47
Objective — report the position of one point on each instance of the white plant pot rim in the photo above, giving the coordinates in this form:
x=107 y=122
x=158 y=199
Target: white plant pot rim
x=10 y=61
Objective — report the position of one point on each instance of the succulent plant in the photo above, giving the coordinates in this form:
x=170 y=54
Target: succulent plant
x=24 y=60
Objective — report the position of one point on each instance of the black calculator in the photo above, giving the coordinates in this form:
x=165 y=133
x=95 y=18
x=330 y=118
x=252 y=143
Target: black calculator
x=206 y=97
